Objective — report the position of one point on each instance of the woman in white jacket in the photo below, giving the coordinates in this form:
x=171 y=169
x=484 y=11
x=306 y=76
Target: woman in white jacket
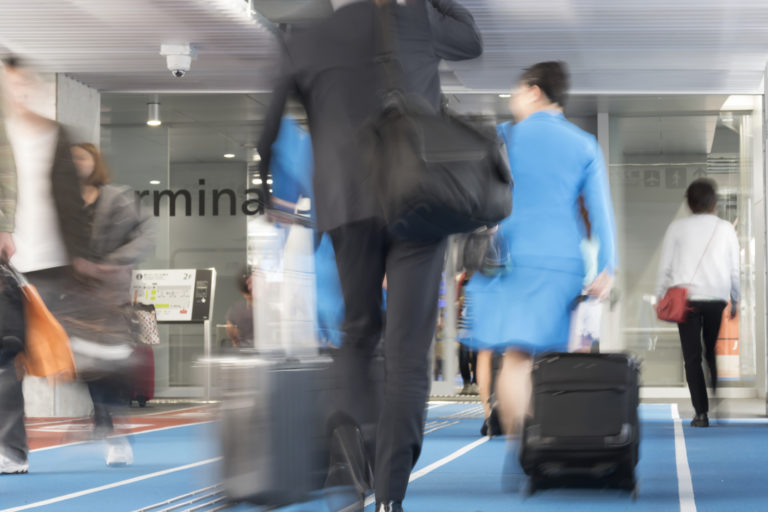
x=701 y=253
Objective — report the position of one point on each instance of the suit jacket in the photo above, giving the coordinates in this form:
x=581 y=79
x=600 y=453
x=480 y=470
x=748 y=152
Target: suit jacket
x=330 y=68
x=120 y=235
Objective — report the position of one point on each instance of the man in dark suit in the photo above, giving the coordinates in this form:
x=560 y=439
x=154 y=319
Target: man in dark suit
x=330 y=68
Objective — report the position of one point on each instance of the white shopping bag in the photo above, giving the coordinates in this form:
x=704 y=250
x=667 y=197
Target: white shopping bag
x=284 y=291
x=585 y=325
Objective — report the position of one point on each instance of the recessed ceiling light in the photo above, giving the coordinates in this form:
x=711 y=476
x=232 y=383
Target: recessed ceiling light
x=229 y=155
x=269 y=182
x=153 y=114
x=505 y=95
x=256 y=157
x=257 y=181
x=154 y=182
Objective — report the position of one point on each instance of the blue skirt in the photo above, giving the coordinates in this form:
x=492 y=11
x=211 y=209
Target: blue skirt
x=527 y=309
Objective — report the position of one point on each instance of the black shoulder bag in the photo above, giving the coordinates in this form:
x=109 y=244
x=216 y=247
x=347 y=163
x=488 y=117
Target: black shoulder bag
x=434 y=173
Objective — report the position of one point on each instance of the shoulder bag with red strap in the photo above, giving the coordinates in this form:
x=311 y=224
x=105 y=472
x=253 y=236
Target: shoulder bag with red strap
x=673 y=307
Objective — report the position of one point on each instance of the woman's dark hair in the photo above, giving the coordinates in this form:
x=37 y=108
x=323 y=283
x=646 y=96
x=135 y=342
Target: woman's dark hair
x=242 y=281
x=551 y=77
x=702 y=196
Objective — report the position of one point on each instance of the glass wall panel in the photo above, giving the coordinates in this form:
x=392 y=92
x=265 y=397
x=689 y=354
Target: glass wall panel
x=205 y=226
x=653 y=158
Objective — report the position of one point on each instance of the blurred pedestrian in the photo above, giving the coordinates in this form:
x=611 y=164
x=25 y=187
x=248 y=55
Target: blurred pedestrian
x=240 y=314
x=526 y=310
x=13 y=440
x=43 y=209
x=119 y=239
x=467 y=355
x=701 y=253
x=331 y=69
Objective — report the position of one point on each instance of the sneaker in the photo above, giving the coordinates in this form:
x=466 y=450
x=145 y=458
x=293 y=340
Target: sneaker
x=465 y=390
x=9 y=466
x=119 y=452
x=473 y=389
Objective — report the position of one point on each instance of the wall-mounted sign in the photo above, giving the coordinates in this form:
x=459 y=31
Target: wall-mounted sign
x=179 y=295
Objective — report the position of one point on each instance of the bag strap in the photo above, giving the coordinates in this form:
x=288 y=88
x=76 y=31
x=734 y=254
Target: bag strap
x=717 y=225
x=16 y=275
x=385 y=47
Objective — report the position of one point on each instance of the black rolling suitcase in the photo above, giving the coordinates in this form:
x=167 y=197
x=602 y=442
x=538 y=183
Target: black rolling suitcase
x=271 y=430
x=584 y=429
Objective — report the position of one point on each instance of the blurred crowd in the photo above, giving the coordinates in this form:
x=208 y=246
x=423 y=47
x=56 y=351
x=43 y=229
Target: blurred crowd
x=75 y=237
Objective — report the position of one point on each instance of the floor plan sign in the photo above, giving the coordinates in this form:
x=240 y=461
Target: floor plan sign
x=172 y=292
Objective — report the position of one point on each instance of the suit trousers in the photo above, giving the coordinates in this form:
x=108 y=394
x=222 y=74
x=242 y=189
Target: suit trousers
x=702 y=324
x=366 y=252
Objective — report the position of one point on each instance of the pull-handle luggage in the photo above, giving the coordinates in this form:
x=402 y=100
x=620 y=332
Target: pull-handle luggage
x=271 y=428
x=585 y=428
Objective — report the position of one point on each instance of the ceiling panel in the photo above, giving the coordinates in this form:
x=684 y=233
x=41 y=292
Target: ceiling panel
x=114 y=45
x=611 y=46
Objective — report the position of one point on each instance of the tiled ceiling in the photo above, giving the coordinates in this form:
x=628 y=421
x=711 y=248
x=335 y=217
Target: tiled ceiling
x=625 y=46
x=611 y=46
x=114 y=45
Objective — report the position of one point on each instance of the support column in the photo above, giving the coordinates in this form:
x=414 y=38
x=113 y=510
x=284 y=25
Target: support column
x=762 y=333
x=611 y=339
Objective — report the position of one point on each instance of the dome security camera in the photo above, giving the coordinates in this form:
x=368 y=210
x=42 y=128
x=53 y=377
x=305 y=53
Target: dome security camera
x=179 y=58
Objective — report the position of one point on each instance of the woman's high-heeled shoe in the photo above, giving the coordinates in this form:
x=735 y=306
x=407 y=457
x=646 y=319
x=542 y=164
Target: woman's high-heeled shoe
x=491 y=426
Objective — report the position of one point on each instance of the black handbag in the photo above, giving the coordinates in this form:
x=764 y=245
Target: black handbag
x=12 y=324
x=435 y=174
x=497 y=259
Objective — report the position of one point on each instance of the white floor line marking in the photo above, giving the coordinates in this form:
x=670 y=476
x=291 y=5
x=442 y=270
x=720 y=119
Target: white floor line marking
x=428 y=469
x=684 y=480
x=435 y=428
x=74 y=443
x=435 y=405
x=121 y=483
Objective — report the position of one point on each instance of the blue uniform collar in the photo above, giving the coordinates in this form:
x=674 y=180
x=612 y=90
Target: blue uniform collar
x=543 y=113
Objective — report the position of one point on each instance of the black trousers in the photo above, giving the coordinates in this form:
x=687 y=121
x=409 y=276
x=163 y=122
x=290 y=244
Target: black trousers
x=13 y=435
x=468 y=364
x=107 y=394
x=365 y=252
x=702 y=324
x=51 y=284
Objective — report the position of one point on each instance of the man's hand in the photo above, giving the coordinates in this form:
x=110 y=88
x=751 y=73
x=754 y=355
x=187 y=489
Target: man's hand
x=7 y=247
x=601 y=286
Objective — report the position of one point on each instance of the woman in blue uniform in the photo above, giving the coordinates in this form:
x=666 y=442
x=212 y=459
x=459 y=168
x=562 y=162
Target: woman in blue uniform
x=292 y=170
x=526 y=310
